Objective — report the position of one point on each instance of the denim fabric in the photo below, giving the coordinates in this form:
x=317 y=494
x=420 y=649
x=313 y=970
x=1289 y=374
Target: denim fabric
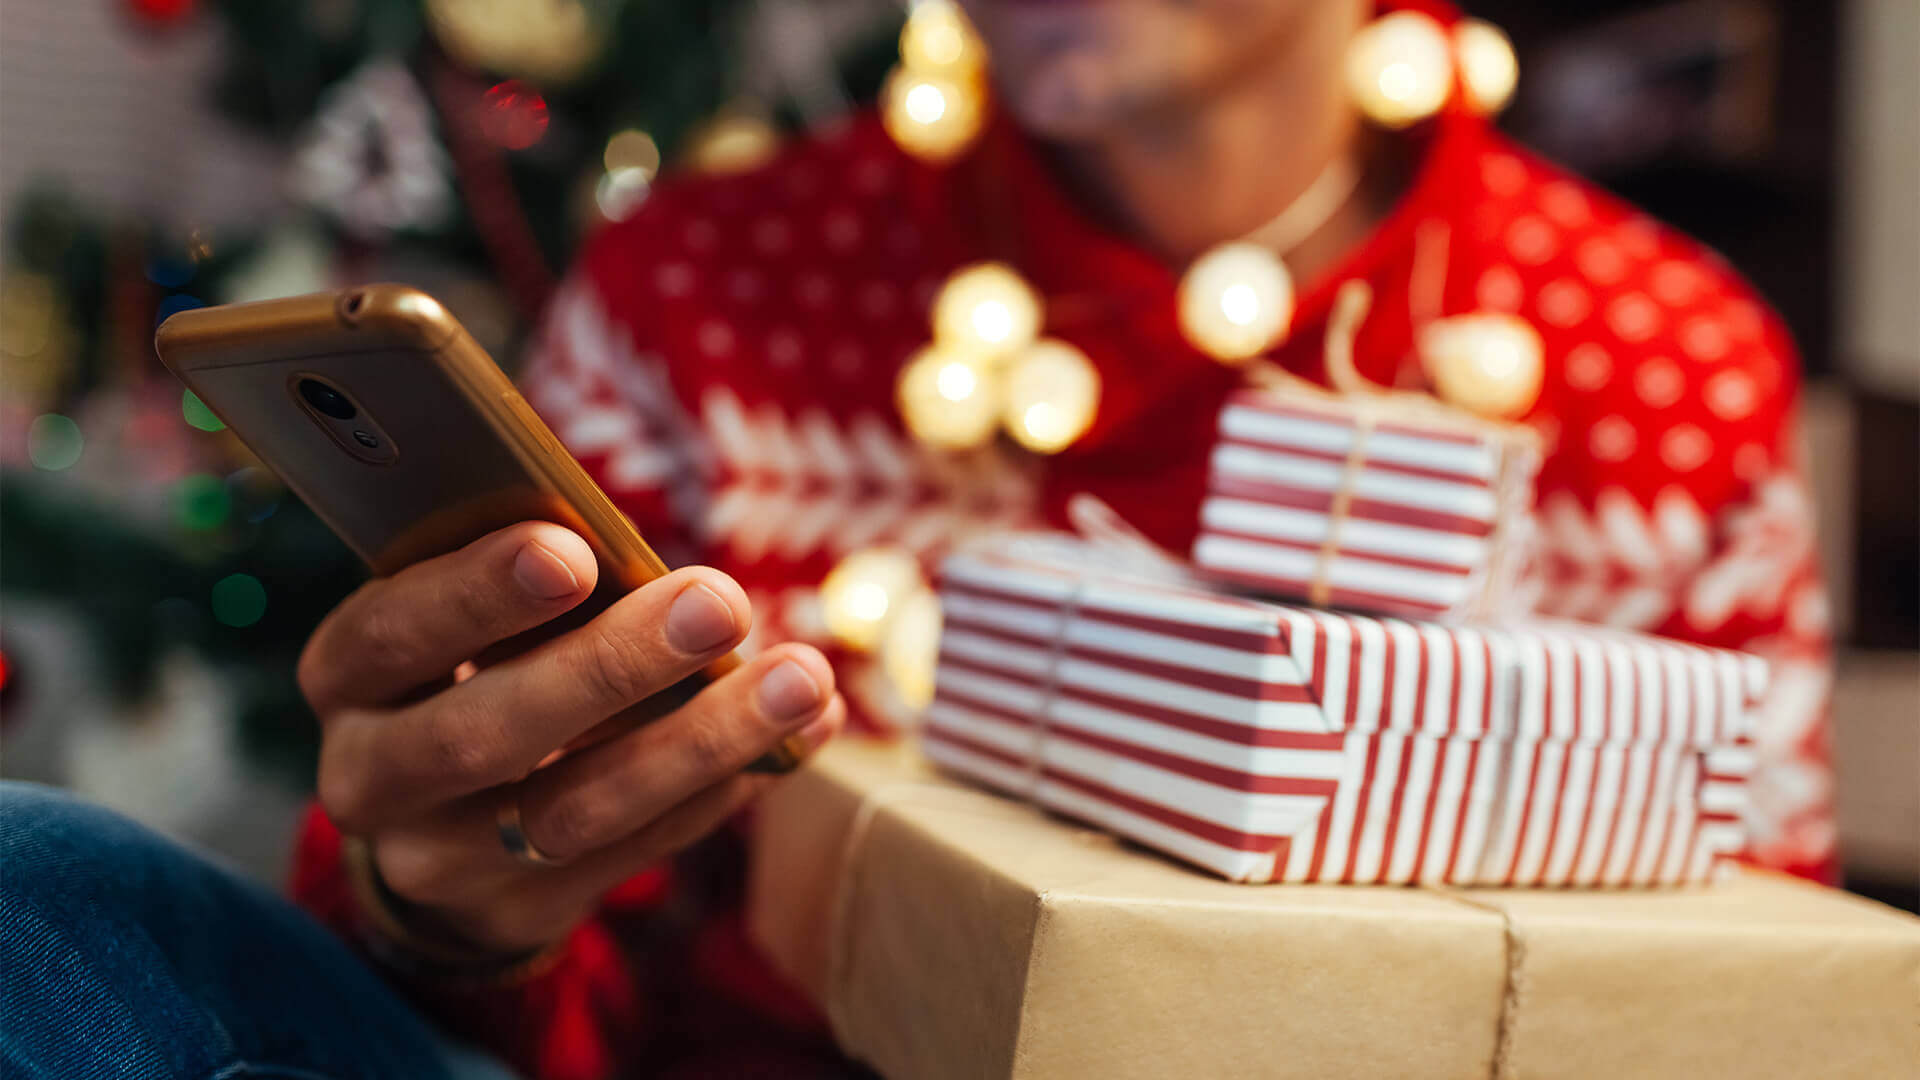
x=123 y=954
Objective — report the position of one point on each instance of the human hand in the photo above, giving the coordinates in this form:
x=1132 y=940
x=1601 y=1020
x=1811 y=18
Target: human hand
x=422 y=749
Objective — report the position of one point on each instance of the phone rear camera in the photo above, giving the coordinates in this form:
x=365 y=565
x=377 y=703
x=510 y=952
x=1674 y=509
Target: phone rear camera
x=366 y=440
x=327 y=400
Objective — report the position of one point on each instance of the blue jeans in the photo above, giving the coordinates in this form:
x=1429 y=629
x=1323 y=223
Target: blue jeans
x=123 y=954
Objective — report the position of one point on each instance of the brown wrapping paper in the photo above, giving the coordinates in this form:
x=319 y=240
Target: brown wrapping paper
x=947 y=932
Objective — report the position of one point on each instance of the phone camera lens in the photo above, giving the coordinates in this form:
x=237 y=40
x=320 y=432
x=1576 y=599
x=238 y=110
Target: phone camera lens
x=329 y=401
x=366 y=440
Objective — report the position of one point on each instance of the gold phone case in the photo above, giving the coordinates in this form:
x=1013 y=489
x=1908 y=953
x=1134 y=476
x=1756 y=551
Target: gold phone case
x=439 y=449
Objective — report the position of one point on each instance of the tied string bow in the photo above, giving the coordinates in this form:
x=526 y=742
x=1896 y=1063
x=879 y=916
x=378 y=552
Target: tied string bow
x=1362 y=404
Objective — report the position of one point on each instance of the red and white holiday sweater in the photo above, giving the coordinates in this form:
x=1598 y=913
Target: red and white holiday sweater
x=724 y=363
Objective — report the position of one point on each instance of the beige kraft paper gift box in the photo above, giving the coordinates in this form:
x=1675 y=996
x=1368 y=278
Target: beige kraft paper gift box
x=949 y=932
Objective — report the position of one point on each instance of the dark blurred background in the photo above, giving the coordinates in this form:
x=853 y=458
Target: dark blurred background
x=160 y=154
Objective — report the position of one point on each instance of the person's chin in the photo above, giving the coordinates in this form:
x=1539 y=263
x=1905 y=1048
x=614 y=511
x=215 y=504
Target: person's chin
x=1070 y=98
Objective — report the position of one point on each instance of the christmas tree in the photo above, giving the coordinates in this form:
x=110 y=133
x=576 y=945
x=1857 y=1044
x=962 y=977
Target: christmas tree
x=464 y=146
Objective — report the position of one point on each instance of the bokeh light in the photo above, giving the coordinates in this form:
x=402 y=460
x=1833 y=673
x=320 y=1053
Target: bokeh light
x=197 y=414
x=54 y=442
x=621 y=191
x=1052 y=396
x=947 y=397
x=239 y=600
x=986 y=308
x=910 y=651
x=938 y=38
x=731 y=141
x=1488 y=69
x=200 y=502
x=1399 y=68
x=632 y=149
x=513 y=115
x=1236 y=302
x=929 y=115
x=865 y=591
x=1490 y=363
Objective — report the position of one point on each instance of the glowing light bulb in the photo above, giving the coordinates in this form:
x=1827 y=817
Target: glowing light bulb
x=547 y=43
x=986 y=308
x=947 y=398
x=1052 y=396
x=864 y=593
x=1236 y=302
x=925 y=103
x=866 y=601
x=930 y=115
x=938 y=39
x=732 y=140
x=632 y=149
x=956 y=380
x=621 y=191
x=1240 y=304
x=1489 y=363
x=1488 y=68
x=991 y=321
x=1399 y=68
x=910 y=651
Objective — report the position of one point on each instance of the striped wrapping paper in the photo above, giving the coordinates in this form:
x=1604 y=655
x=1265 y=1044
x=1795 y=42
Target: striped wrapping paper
x=1419 y=516
x=1275 y=743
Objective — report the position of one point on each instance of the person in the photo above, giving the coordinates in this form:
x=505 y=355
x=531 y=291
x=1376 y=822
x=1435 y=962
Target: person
x=724 y=361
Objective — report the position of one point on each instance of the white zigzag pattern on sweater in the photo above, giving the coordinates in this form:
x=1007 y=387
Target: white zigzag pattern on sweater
x=802 y=484
x=764 y=482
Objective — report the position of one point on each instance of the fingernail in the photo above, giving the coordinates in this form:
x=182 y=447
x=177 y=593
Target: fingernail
x=542 y=573
x=815 y=735
x=699 y=620
x=788 y=692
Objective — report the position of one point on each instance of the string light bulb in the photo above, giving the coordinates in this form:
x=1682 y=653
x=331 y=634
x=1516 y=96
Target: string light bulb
x=1052 y=395
x=1399 y=68
x=865 y=592
x=948 y=397
x=938 y=39
x=910 y=648
x=986 y=308
x=619 y=192
x=1236 y=301
x=929 y=114
x=548 y=43
x=1488 y=70
x=1489 y=363
x=632 y=149
x=733 y=140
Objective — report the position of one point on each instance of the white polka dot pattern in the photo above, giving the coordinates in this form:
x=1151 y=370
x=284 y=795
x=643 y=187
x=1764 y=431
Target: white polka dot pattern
x=1659 y=383
x=1564 y=303
x=1685 y=447
x=1613 y=439
x=1588 y=367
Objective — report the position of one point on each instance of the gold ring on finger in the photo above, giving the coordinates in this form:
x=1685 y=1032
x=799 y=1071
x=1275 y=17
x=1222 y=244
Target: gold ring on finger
x=513 y=835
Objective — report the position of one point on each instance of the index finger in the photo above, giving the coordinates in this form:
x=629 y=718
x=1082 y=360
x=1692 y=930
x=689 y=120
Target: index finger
x=396 y=635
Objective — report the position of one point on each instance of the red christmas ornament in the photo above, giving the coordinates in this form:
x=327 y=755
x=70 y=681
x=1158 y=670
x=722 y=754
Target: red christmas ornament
x=162 y=12
x=513 y=115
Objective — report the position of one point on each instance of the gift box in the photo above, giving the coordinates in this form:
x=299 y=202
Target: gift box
x=947 y=932
x=1368 y=502
x=1274 y=743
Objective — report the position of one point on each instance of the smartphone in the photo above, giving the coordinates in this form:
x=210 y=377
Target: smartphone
x=385 y=417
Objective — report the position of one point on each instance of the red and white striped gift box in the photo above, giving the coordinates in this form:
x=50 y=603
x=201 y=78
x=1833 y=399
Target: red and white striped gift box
x=1315 y=497
x=1275 y=743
